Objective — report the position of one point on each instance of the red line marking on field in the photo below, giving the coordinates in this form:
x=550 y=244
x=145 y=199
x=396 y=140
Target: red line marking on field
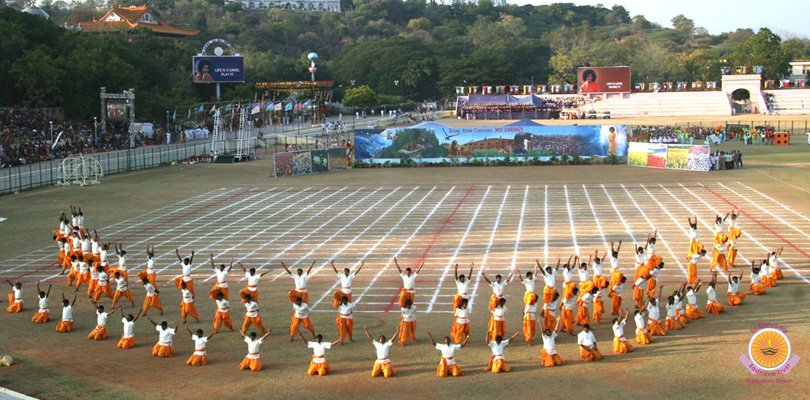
x=432 y=242
x=757 y=221
x=149 y=228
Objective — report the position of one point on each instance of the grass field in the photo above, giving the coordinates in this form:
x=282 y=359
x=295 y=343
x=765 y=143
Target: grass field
x=497 y=217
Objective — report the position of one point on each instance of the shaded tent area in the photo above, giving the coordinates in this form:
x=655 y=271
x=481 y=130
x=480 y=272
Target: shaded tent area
x=505 y=106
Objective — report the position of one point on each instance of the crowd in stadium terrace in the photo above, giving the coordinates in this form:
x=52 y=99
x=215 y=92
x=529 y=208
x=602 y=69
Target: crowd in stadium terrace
x=690 y=135
x=558 y=145
x=25 y=138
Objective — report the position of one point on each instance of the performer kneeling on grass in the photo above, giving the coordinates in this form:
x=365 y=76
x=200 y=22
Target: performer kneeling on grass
x=549 y=355
x=346 y=277
x=654 y=315
x=692 y=308
x=383 y=364
x=253 y=360
x=407 y=324
x=318 y=365
x=497 y=363
x=620 y=343
x=198 y=358
x=448 y=366
x=712 y=306
x=757 y=287
x=735 y=298
x=128 y=337
x=163 y=348
x=66 y=323
x=408 y=285
x=587 y=345
x=100 y=332
x=642 y=334
x=300 y=279
x=300 y=315
x=15 y=299
x=43 y=314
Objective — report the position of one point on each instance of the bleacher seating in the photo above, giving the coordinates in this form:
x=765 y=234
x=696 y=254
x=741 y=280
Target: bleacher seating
x=664 y=104
x=790 y=101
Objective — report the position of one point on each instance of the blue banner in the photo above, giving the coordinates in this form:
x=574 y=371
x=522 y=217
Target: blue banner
x=514 y=141
x=218 y=69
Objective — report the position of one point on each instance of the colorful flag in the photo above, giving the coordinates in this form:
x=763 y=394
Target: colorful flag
x=189 y=113
x=201 y=108
x=255 y=110
x=277 y=107
x=174 y=116
x=637 y=87
x=228 y=107
x=307 y=104
x=288 y=107
x=269 y=107
x=527 y=89
x=213 y=108
x=459 y=90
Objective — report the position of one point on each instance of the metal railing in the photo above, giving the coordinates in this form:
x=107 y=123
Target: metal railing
x=45 y=173
x=794 y=127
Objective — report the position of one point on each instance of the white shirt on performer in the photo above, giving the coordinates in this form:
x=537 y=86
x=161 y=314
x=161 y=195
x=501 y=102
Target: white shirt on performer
x=696 y=258
x=223 y=305
x=101 y=318
x=150 y=289
x=302 y=311
x=614 y=263
x=618 y=329
x=18 y=294
x=641 y=259
x=67 y=313
x=408 y=314
x=319 y=351
x=691 y=297
x=253 y=347
x=251 y=309
x=129 y=328
x=497 y=349
x=150 y=266
x=587 y=299
x=711 y=295
x=122 y=263
x=165 y=335
x=121 y=284
x=346 y=282
x=597 y=268
x=43 y=304
x=586 y=339
x=693 y=233
x=408 y=282
x=462 y=287
x=570 y=303
x=499 y=313
x=641 y=283
x=382 y=351
x=188 y=297
x=345 y=310
x=653 y=313
x=102 y=278
x=671 y=310
x=528 y=283
x=584 y=276
x=548 y=343
x=102 y=256
x=733 y=287
x=618 y=289
x=551 y=308
x=567 y=275
x=252 y=280
x=300 y=281
x=199 y=344
x=530 y=309
x=448 y=352
x=718 y=227
x=640 y=324
x=222 y=277
x=186 y=268
x=550 y=279
x=498 y=287
x=462 y=315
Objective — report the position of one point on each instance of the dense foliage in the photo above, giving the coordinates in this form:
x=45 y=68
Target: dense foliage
x=412 y=48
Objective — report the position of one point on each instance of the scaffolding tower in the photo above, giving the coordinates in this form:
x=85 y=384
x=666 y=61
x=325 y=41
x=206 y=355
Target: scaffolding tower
x=218 y=146
x=243 y=148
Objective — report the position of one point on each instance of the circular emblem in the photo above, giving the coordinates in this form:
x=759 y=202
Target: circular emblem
x=769 y=349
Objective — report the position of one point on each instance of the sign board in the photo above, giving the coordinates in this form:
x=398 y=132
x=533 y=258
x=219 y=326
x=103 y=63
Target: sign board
x=603 y=79
x=218 y=69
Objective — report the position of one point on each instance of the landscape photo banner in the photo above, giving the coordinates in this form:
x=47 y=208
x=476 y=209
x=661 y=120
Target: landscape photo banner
x=669 y=156
x=603 y=79
x=438 y=142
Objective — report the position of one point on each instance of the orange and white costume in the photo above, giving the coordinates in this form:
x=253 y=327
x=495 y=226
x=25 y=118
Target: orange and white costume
x=252 y=317
x=529 y=284
x=550 y=281
x=497 y=322
x=185 y=277
x=198 y=358
x=128 y=337
x=15 y=300
x=589 y=341
x=774 y=271
x=151 y=299
x=300 y=288
x=121 y=268
x=100 y=332
x=599 y=280
x=345 y=321
x=102 y=286
x=735 y=298
x=692 y=309
x=66 y=323
x=300 y=316
x=757 y=287
x=639 y=287
x=497 y=363
x=568 y=284
x=567 y=316
x=642 y=334
x=43 y=314
x=408 y=288
x=620 y=344
x=252 y=287
x=122 y=289
x=497 y=292
x=529 y=321
x=223 y=315
x=318 y=365
x=549 y=355
x=691 y=267
x=550 y=315
x=163 y=348
x=719 y=257
x=733 y=234
x=407 y=324
x=616 y=298
x=461 y=325
x=187 y=307
x=149 y=273
x=653 y=320
x=222 y=284
x=382 y=365
x=712 y=306
x=253 y=360
x=583 y=316
x=345 y=288
x=694 y=244
x=448 y=366
x=462 y=288
x=83 y=274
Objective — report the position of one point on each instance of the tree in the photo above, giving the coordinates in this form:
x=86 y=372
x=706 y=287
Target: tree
x=361 y=96
x=683 y=24
x=764 y=49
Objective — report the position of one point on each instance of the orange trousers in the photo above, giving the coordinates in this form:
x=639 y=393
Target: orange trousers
x=296 y=322
x=221 y=318
x=407 y=330
x=256 y=321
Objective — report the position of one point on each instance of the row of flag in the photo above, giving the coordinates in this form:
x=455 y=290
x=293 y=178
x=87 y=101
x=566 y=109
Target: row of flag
x=742 y=69
x=254 y=108
x=510 y=89
x=784 y=83
x=656 y=86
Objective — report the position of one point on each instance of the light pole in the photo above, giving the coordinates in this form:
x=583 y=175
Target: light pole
x=51 y=122
x=396 y=87
x=95 y=131
x=168 y=134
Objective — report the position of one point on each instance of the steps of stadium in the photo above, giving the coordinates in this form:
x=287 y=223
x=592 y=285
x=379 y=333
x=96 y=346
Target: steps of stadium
x=790 y=101
x=664 y=104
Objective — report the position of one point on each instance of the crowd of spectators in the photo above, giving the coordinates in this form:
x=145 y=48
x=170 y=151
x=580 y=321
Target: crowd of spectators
x=559 y=145
x=689 y=135
x=26 y=137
